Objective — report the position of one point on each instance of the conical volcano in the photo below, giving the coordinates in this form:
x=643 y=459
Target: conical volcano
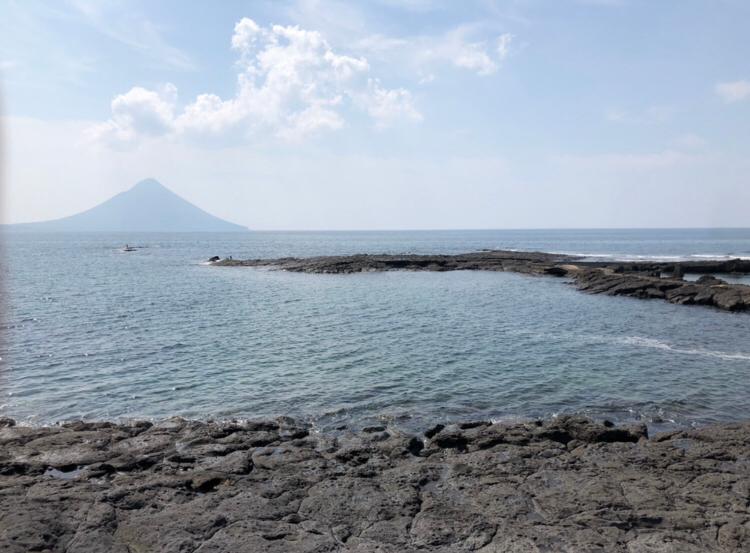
x=147 y=207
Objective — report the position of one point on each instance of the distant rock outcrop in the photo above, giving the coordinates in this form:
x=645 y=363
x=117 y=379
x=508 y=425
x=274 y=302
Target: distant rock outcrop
x=147 y=207
x=636 y=280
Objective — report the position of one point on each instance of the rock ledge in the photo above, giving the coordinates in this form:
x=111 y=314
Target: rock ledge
x=564 y=485
x=652 y=280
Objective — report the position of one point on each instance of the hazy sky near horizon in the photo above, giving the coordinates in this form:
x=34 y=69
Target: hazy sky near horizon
x=386 y=114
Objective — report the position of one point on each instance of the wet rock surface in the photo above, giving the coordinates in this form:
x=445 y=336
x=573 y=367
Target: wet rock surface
x=564 y=485
x=708 y=291
x=637 y=280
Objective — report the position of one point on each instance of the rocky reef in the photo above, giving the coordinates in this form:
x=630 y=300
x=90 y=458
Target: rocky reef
x=707 y=290
x=639 y=280
x=563 y=485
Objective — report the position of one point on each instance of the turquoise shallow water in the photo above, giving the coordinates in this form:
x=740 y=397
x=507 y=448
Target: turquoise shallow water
x=91 y=332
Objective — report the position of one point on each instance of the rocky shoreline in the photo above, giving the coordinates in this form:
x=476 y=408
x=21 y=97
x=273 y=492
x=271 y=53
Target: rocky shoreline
x=563 y=485
x=652 y=280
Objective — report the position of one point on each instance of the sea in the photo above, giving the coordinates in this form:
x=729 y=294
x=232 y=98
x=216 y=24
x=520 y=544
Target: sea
x=92 y=332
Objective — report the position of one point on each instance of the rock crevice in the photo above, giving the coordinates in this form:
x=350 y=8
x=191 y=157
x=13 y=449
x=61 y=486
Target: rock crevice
x=567 y=484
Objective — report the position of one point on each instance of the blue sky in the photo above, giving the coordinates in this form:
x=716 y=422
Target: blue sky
x=317 y=114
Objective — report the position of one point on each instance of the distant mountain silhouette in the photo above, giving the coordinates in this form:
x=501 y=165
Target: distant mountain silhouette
x=147 y=207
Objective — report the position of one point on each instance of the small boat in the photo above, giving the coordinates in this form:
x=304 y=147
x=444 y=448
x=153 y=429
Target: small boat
x=129 y=248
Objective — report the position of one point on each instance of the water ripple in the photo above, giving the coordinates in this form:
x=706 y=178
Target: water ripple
x=97 y=335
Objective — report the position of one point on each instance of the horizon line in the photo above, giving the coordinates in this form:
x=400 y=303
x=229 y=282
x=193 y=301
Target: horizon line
x=6 y=226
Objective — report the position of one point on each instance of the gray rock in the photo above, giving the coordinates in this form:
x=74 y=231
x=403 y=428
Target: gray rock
x=567 y=484
x=635 y=279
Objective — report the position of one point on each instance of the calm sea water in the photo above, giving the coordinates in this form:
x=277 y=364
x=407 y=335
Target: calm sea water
x=92 y=332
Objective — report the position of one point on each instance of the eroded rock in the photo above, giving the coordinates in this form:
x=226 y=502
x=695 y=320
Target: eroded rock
x=567 y=484
x=634 y=279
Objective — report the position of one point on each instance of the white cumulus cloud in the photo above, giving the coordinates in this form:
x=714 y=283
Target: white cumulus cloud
x=388 y=106
x=503 y=45
x=734 y=91
x=290 y=83
x=466 y=47
x=139 y=112
x=458 y=48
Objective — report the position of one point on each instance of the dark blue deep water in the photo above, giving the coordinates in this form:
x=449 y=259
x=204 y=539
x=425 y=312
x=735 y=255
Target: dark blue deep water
x=92 y=332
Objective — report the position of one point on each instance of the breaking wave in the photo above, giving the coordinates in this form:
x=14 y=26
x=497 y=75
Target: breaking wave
x=661 y=257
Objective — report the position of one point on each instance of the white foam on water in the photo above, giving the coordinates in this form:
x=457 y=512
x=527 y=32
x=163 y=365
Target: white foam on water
x=639 y=341
x=714 y=256
x=659 y=257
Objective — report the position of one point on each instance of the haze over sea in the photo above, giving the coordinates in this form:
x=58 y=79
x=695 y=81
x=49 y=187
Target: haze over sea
x=96 y=333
